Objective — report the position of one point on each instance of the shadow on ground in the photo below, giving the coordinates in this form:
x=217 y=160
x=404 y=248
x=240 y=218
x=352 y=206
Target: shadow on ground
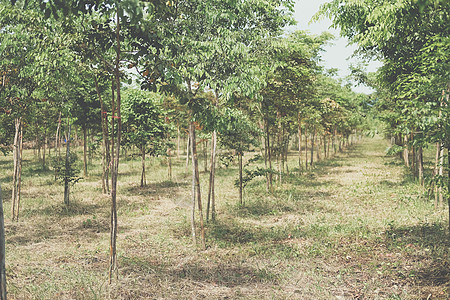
x=428 y=247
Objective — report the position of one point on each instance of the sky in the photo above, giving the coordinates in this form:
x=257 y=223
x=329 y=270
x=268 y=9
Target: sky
x=338 y=54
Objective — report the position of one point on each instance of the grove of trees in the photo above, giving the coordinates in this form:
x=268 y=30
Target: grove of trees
x=142 y=76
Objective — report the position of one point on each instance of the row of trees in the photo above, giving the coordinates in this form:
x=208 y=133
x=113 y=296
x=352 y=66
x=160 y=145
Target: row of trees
x=411 y=38
x=221 y=67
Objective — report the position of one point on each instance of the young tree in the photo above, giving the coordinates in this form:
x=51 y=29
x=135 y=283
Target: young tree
x=144 y=124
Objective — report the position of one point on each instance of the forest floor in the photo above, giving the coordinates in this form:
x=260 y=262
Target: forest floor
x=355 y=227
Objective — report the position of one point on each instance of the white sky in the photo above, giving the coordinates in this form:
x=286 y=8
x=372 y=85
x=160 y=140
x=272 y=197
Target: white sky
x=338 y=55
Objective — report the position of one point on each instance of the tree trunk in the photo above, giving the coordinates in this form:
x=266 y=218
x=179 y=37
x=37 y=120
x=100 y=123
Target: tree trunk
x=2 y=251
x=115 y=161
x=420 y=165
x=197 y=182
x=143 y=179
x=45 y=146
x=205 y=156
x=299 y=146
x=269 y=154
x=306 y=148
x=66 y=175
x=240 y=179
x=85 y=142
x=441 y=174
x=178 y=140
x=266 y=155
x=312 y=148
x=17 y=158
x=406 y=151
x=448 y=182
x=194 y=198
x=58 y=142
x=188 y=146
x=211 y=196
x=286 y=152
x=319 y=146
x=169 y=162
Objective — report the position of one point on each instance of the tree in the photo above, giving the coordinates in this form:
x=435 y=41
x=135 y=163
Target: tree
x=144 y=124
x=237 y=132
x=412 y=38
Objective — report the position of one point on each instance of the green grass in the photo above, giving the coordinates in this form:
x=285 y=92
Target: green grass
x=355 y=226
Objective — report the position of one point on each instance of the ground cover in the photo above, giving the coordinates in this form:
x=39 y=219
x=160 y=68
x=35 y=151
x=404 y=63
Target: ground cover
x=356 y=226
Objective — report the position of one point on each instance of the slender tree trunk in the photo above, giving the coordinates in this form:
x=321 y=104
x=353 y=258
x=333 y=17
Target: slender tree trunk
x=38 y=143
x=333 y=141
x=211 y=196
x=2 y=251
x=269 y=152
x=266 y=154
x=169 y=162
x=45 y=146
x=240 y=179
x=85 y=142
x=441 y=174
x=15 y=169
x=115 y=160
x=286 y=152
x=188 y=146
x=328 y=146
x=143 y=179
x=299 y=145
x=406 y=151
x=58 y=142
x=306 y=148
x=194 y=198
x=197 y=183
x=205 y=156
x=448 y=182
x=312 y=148
x=420 y=165
x=17 y=158
x=67 y=166
x=178 y=140
x=319 y=146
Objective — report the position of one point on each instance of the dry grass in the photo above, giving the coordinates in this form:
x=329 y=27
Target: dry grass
x=355 y=227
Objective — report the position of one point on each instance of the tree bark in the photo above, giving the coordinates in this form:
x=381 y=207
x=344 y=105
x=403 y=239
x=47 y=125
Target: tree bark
x=85 y=142
x=205 y=156
x=188 y=145
x=45 y=146
x=197 y=182
x=169 y=162
x=299 y=145
x=2 y=251
x=406 y=151
x=17 y=158
x=211 y=196
x=178 y=140
x=269 y=154
x=66 y=175
x=115 y=160
x=240 y=179
x=143 y=179
x=420 y=165
x=266 y=155
x=312 y=148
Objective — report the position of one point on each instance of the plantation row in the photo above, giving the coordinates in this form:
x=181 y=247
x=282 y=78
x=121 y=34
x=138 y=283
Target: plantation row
x=139 y=77
x=219 y=71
